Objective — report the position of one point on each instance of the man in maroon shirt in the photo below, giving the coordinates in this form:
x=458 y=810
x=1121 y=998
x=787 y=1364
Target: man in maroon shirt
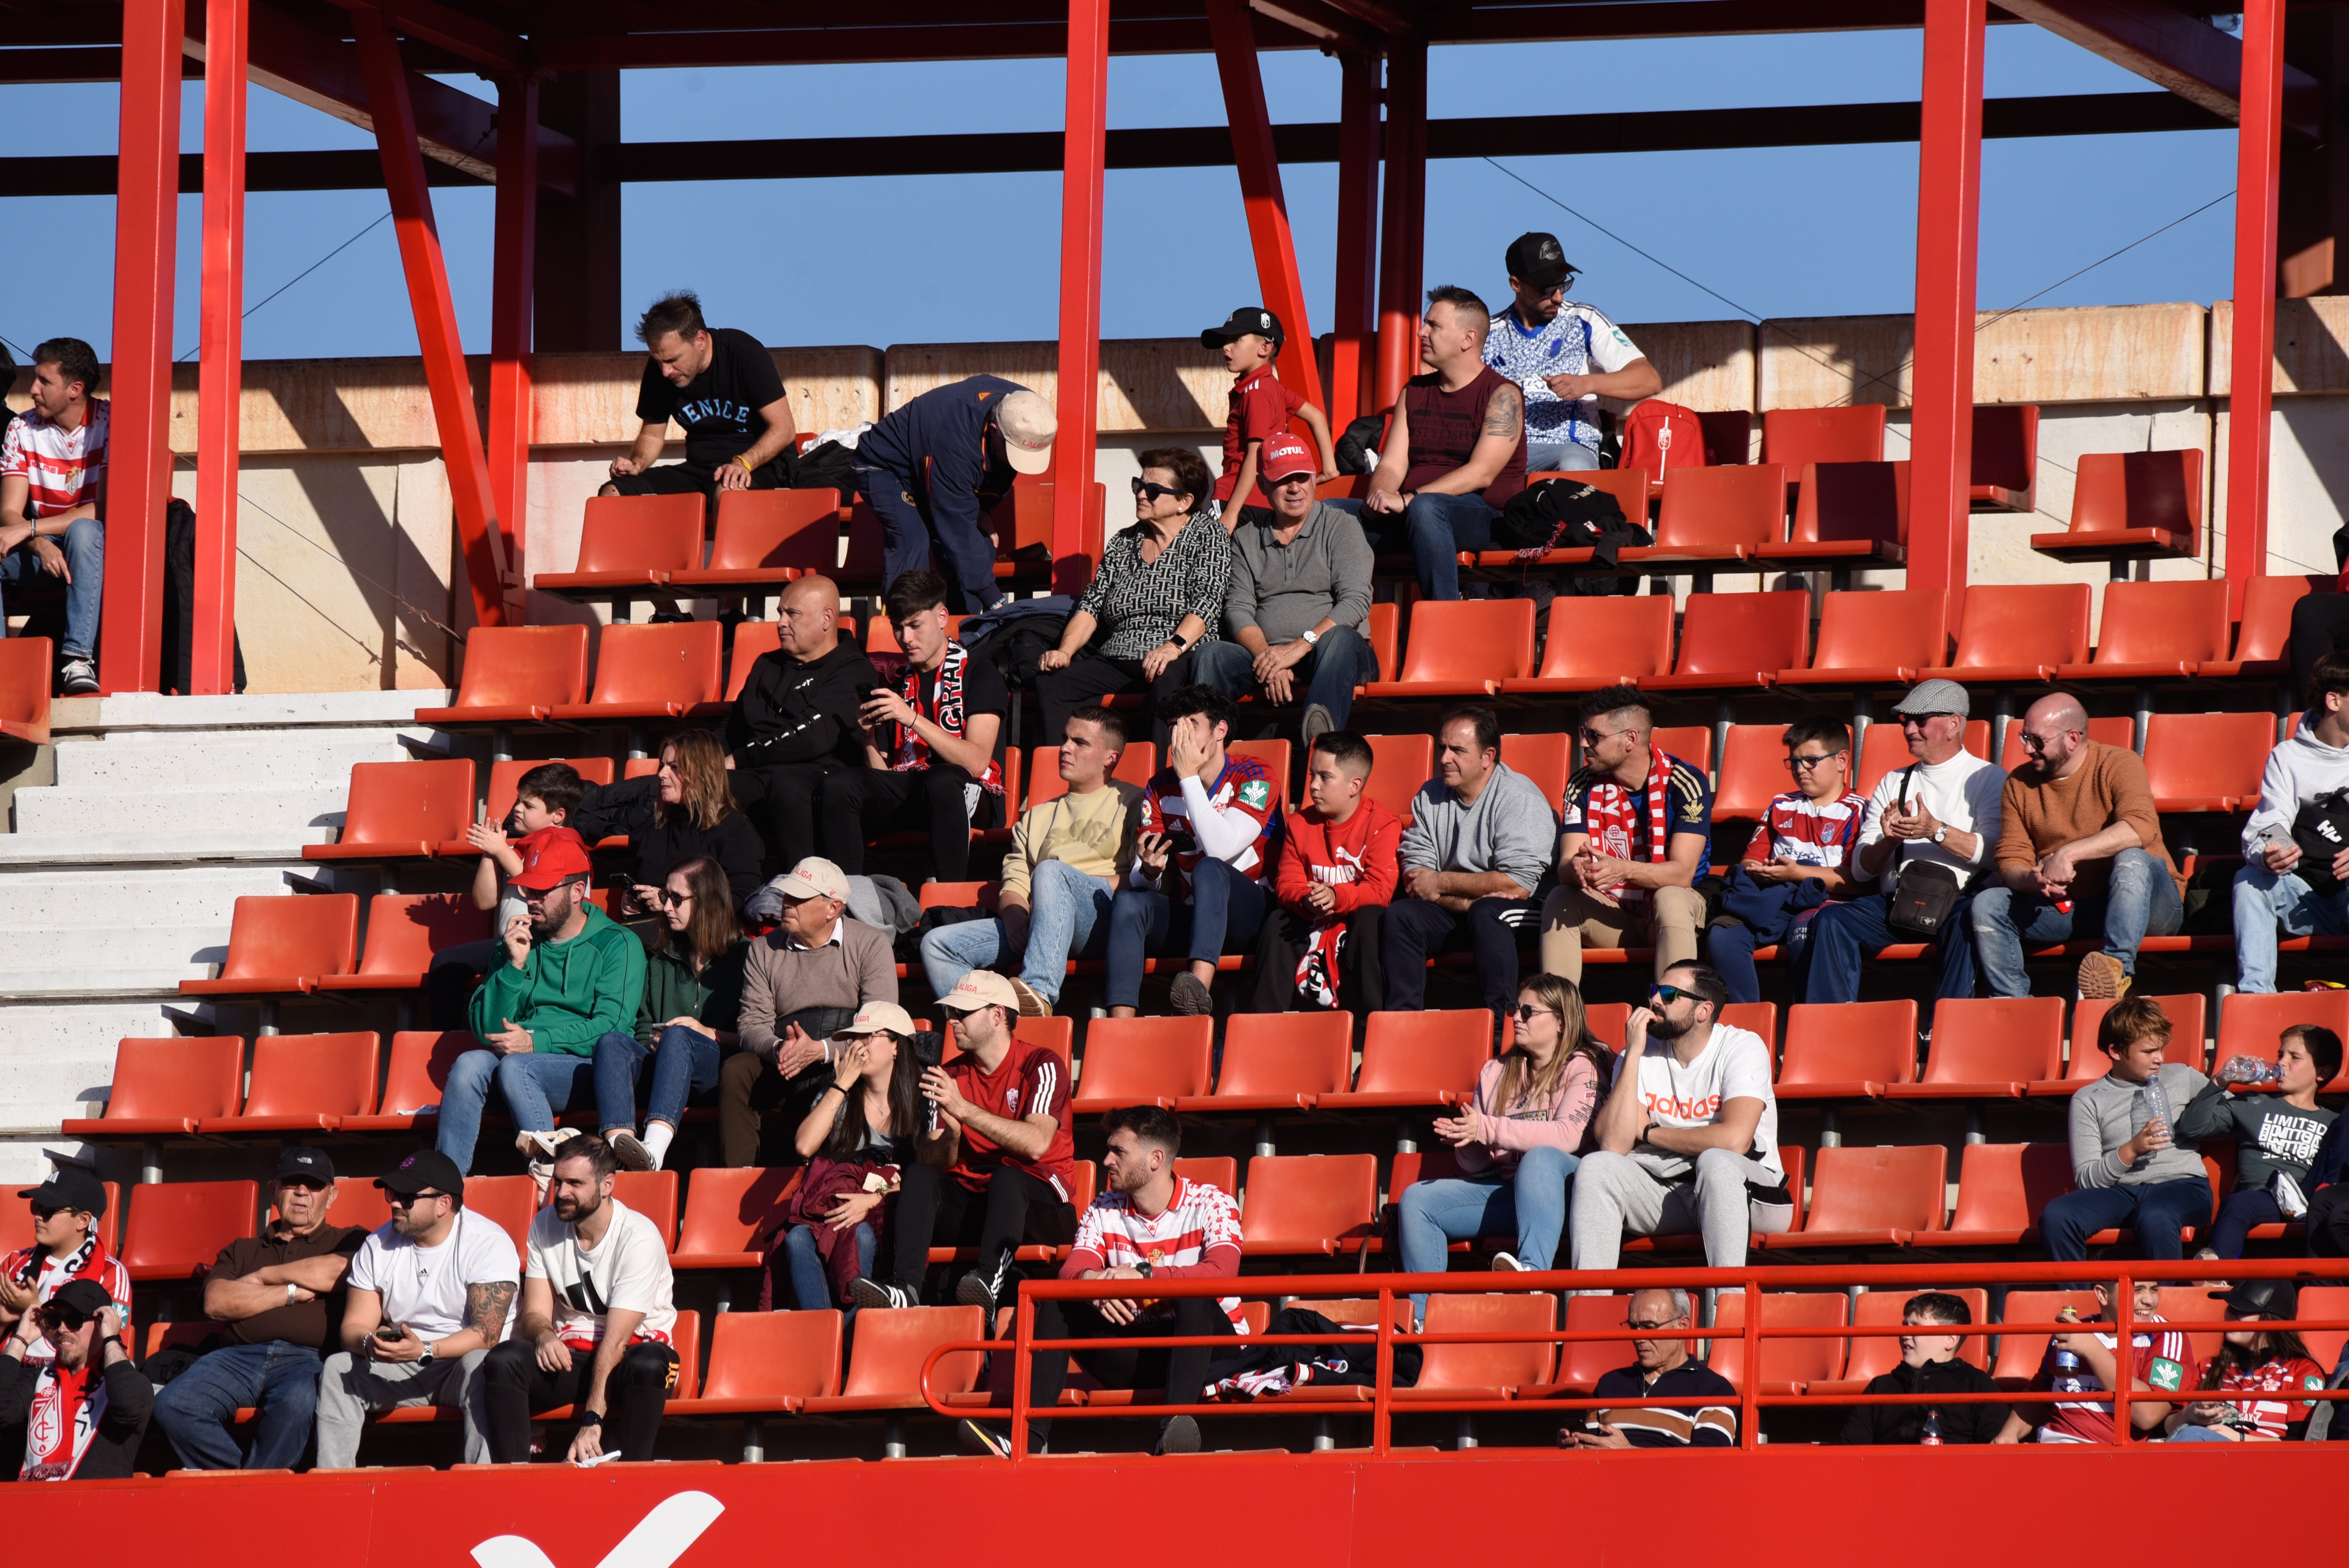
x=1455 y=449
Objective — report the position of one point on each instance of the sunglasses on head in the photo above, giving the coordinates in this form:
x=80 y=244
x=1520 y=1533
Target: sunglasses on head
x=1145 y=490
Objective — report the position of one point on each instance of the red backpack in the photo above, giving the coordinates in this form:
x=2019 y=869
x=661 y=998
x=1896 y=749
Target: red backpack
x=1658 y=436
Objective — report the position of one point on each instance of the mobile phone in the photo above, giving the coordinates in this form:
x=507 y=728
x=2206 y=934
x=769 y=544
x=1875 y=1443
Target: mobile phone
x=389 y=1331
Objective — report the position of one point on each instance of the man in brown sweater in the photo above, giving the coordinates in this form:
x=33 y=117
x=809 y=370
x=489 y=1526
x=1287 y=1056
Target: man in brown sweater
x=2079 y=848
x=817 y=958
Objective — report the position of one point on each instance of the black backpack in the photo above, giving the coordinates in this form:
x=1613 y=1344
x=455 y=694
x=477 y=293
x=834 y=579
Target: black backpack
x=179 y=601
x=1016 y=651
x=827 y=465
x=2321 y=829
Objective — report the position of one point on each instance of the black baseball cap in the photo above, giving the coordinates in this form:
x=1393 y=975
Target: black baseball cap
x=1538 y=259
x=68 y=1187
x=2271 y=1298
x=305 y=1163
x=425 y=1169
x=79 y=1301
x=1246 y=319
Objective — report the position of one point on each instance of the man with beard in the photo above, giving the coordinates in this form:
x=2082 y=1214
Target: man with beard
x=1561 y=353
x=597 y=1313
x=68 y=1384
x=66 y=1246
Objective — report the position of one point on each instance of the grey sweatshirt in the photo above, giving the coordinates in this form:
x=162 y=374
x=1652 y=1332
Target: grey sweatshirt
x=2298 y=770
x=2105 y=1114
x=1508 y=829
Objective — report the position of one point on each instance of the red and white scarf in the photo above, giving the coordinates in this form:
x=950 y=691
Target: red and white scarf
x=1613 y=824
x=944 y=711
x=1317 y=966
x=66 y=1408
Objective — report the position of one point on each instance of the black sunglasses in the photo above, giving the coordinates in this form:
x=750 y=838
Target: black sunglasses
x=671 y=900
x=403 y=1200
x=1667 y=994
x=1923 y=718
x=1649 y=1328
x=1592 y=737
x=1143 y=488
x=1526 y=1014
x=305 y=1183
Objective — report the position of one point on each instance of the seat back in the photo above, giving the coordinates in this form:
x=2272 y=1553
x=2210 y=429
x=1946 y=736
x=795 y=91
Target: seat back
x=2004 y=1186
x=306 y=1075
x=175 y=1078
x=1858 y=502
x=881 y=637
x=1851 y=434
x=2019 y=1355
x=2119 y=729
x=1693 y=743
x=1383 y=629
x=1871 y=630
x=1223 y=1174
x=2114 y=491
x=724 y=1208
x=1147 y=1059
x=2185 y=1304
x=678 y=662
x=1782 y=1360
x=2249 y=1024
x=2005 y=445
x=1582 y=1362
x=405 y=802
x=2207 y=757
x=1310 y=1199
x=358 y=1202
x=176 y=1228
x=753 y=640
x=1428 y=1052
x=1735 y=635
x=892 y=1343
x=275 y=937
x=1875 y=1355
x=1274 y=755
x=1286 y=1053
x=774 y=1354
x=1759 y=1018
x=1874 y=1042
x=2265 y=633
x=2319 y=1302
x=505 y=778
x=1995 y=1039
x=2022 y=624
x=2187 y=1035
x=420 y=1060
x=641 y=533
x=1614 y=636
x=1469 y=640
x=2155 y=623
x=510 y=1201
x=777 y=530
x=405 y=929
x=1720 y=509
x=1545 y=760
x=1728 y=434
x=1135 y=766
x=1752 y=773
x=1885 y=749
x=653 y=1195
x=1401 y=766
x=1873 y=1189
x=514 y=666
x=27 y=673
x=1507 y=1365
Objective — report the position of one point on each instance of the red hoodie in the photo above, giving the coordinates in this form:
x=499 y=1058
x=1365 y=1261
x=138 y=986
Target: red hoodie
x=1358 y=858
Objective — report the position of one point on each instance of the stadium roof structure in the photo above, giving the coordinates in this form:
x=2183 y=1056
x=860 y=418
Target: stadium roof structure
x=550 y=146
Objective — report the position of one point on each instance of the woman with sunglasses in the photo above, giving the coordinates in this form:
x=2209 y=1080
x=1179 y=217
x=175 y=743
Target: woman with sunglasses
x=861 y=1133
x=693 y=994
x=1516 y=1142
x=693 y=816
x=1157 y=595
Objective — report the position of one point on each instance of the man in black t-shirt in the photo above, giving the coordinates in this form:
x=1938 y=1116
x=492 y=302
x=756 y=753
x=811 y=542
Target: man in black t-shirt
x=720 y=384
x=933 y=728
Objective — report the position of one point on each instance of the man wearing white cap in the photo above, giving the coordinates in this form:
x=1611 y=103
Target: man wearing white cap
x=937 y=466
x=998 y=1167
x=817 y=958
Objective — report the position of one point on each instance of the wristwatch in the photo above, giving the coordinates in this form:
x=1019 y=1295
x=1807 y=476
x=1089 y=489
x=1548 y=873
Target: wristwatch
x=425 y=1359
x=1143 y=1269
x=1940 y=831
x=1179 y=640
x=1309 y=636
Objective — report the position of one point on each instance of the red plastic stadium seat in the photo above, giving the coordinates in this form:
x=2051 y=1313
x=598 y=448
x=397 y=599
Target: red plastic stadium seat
x=1425 y=1058
x=1739 y=639
x=2087 y=1063
x=1384 y=631
x=724 y=1211
x=1880 y=1197
x=1629 y=488
x=2319 y=1304
x=2207 y=762
x=1693 y=743
x=516 y=675
x=767 y=538
x=2001 y=1190
x=1135 y=766
x=2131 y=506
x=358 y=1202
x=1847 y=514
x=284 y=945
x=1309 y=1203
x=2249 y=1023
x=1885 y=749
x=2019 y=632
x=1851 y=434
x=163 y=1088
x=1789 y=1366
x=1221 y=1173
x=960 y=894
x=885 y=1367
x=1582 y=1362
x=1989 y=1049
x=753 y=640
x=1756 y=1017
x=2119 y=730
x=762 y=1362
x=2157 y=631
x=27 y=666
x=1278 y=1061
x=1720 y=514
x=653 y=1195
x=1752 y=773
x=1401 y=766
x=404 y=930
x=1274 y=755
x=652 y=672
x=631 y=542
x=505 y=779
x=1144 y=1061
x=420 y=1060
x=304 y=1083
x=2019 y=1355
x=176 y=1229
x=401 y=809
x=510 y=1201
x=2263 y=640
x=1847 y=1050
x=1874 y=1355
x=2005 y=467
x=1467 y=1371
x=1545 y=760
x=1601 y=642
x=1874 y=639
x=1452 y=648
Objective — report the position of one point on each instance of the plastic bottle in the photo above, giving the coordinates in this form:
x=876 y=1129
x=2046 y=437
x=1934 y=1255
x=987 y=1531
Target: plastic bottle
x=2066 y=1377
x=2250 y=1071
x=1932 y=1436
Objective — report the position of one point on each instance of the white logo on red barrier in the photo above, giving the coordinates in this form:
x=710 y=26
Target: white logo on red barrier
x=657 y=1540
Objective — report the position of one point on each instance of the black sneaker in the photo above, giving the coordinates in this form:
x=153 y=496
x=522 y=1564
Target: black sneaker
x=1176 y=1434
x=978 y=1439
x=77 y=677
x=1187 y=997
x=976 y=1290
x=873 y=1293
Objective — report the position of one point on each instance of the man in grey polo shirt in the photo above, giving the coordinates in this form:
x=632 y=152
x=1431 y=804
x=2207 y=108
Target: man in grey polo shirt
x=1300 y=600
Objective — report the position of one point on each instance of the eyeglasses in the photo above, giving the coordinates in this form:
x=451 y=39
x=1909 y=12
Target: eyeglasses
x=2039 y=742
x=1145 y=490
x=1800 y=763
x=1667 y=994
x=1526 y=1015
x=1650 y=1327
x=1921 y=719
x=301 y=1183
x=403 y=1200
x=671 y=900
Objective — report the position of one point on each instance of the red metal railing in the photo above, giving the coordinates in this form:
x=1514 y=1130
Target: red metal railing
x=1389 y=1289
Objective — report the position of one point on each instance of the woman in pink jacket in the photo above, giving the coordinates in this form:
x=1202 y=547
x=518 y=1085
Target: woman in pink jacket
x=1516 y=1143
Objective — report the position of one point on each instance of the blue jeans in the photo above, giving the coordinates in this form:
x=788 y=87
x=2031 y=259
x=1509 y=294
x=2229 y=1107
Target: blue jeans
x=1438 y=528
x=278 y=1380
x=2265 y=899
x=2140 y=901
x=2243 y=1208
x=1432 y=1214
x=2156 y=1211
x=1225 y=910
x=1558 y=457
x=1844 y=935
x=535 y=1084
x=811 y=1282
x=1329 y=672
x=908 y=522
x=685 y=1064
x=1065 y=910
x=84 y=543
x=1729 y=948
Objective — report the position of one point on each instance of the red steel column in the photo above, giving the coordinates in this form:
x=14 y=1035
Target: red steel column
x=2251 y=374
x=1949 y=206
x=212 y=665
x=511 y=306
x=436 y=313
x=1087 y=132
x=1352 y=350
x=1404 y=218
x=146 y=238
x=1267 y=209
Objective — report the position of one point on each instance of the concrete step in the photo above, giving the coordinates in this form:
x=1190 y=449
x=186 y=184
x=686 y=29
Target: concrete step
x=185 y=944
x=33 y=900
x=157 y=981
x=61 y=1029
x=227 y=846
x=235 y=760
x=284 y=806
x=146 y=710
x=22 y=1161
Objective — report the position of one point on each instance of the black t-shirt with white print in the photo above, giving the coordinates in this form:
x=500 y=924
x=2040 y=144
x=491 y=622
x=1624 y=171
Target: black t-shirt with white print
x=719 y=408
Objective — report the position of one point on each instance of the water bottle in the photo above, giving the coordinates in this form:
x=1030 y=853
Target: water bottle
x=2066 y=1377
x=1932 y=1436
x=2250 y=1072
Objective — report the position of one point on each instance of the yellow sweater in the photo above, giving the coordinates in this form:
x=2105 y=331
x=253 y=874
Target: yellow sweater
x=1093 y=833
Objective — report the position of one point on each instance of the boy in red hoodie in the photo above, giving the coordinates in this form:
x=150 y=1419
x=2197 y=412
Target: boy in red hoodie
x=1319 y=946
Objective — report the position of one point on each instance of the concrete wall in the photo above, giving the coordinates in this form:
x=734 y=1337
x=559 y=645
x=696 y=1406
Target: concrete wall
x=351 y=578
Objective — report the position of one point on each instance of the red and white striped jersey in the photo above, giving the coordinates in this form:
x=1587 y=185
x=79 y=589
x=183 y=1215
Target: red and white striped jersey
x=2270 y=1386
x=61 y=467
x=1807 y=832
x=1113 y=1234
x=47 y=1276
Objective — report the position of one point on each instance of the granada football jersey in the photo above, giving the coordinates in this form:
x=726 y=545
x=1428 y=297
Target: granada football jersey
x=1030 y=1081
x=1113 y=1234
x=1244 y=785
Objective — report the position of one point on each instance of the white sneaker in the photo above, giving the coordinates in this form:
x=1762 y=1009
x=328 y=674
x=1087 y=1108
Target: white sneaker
x=631 y=1154
x=1506 y=1262
x=78 y=678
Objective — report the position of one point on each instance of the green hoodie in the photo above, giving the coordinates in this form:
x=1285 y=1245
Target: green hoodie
x=569 y=994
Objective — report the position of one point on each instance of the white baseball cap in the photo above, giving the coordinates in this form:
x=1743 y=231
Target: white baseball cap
x=1029 y=427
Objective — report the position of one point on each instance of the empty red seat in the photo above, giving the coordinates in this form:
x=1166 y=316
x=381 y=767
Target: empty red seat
x=1135 y=764
x=1874 y=639
x=653 y=1195
x=1720 y=514
x=2020 y=631
x=176 y=1229
x=2264 y=639
x=2157 y=631
x=1789 y=1366
x=1847 y=515
x=724 y=1210
x=28 y=669
x=767 y=538
x=1601 y=642
x=1278 y=1061
x=1879 y=1197
x=769 y=1362
x=1989 y=1047
x=1547 y=760
x=1144 y=1061
x=510 y=1201
x=1752 y=773
x=1582 y=1362
x=1401 y=766
x=1223 y=1174
x=516 y=675
x=1384 y=630
x=1452 y=648
x=1309 y=1203
x=652 y=672
x=2089 y=1063
x=2321 y=1304
x=1423 y=1059
x=284 y=945
x=304 y=1083
x=1851 y=434
x=885 y=1366
x=2020 y=1354
x=1491 y=1370
x=2250 y=1024
x=2207 y=762
x=1872 y=1355
x=163 y=1086
x=401 y=809
x=2119 y=729
x=2131 y=506
x=1847 y=1050
x=420 y=1060
x=2002 y=1188
x=2005 y=458
x=1739 y=639
x=631 y=542
x=404 y=930
x=1885 y=749
x=1693 y=743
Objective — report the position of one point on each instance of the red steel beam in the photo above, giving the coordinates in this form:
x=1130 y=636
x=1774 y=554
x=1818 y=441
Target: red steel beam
x=2258 y=155
x=1948 y=212
x=1267 y=209
x=511 y=272
x=1086 y=131
x=436 y=316
x=211 y=662
x=1353 y=343
x=146 y=239
x=1402 y=219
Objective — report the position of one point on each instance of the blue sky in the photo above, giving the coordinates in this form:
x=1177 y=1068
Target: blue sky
x=1782 y=231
